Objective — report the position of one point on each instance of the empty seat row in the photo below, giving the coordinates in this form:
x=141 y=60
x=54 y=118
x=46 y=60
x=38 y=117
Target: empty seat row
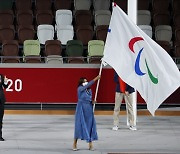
x=85 y=33
x=144 y=18
x=97 y=4
x=25 y=17
x=47 y=32
x=142 y=4
x=157 y=5
x=39 y=4
x=165 y=6
x=162 y=32
x=163 y=35
x=62 y=17
x=57 y=4
x=65 y=33
x=82 y=17
x=53 y=50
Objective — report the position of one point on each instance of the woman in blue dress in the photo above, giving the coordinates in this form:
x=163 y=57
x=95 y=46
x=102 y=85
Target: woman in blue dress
x=85 y=124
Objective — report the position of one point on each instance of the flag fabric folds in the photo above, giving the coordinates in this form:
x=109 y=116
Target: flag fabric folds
x=139 y=60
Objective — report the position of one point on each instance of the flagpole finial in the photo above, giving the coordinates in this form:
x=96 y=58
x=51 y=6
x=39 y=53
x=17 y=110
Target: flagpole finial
x=114 y=4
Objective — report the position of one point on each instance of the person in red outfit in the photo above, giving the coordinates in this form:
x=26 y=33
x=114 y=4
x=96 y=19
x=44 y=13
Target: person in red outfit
x=125 y=91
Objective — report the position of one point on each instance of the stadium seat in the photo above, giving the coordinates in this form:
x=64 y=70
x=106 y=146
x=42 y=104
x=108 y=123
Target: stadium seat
x=45 y=32
x=95 y=51
x=144 y=17
x=177 y=52
x=31 y=47
x=54 y=59
x=122 y=4
x=53 y=52
x=83 y=17
x=101 y=32
x=65 y=33
x=161 y=19
x=43 y=4
x=32 y=51
x=44 y=17
x=102 y=17
x=176 y=6
x=165 y=45
x=24 y=17
x=163 y=33
x=23 y=4
x=95 y=48
x=6 y=17
x=177 y=36
x=146 y=29
x=75 y=60
x=25 y=32
x=74 y=51
x=160 y=6
x=62 y=4
x=53 y=47
x=6 y=4
x=63 y=17
x=84 y=33
x=32 y=59
x=176 y=19
x=82 y=4
x=10 y=51
x=143 y=4
x=101 y=4
x=7 y=32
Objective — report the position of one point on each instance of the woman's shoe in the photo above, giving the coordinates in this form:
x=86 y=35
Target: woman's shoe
x=91 y=149
x=74 y=148
x=91 y=146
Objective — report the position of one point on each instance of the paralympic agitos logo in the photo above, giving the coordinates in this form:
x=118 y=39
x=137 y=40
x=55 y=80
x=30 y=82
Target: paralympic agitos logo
x=138 y=59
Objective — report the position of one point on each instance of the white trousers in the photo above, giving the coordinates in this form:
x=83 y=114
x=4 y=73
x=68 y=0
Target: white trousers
x=130 y=109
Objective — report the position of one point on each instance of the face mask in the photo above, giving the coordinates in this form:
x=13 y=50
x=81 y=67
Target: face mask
x=85 y=83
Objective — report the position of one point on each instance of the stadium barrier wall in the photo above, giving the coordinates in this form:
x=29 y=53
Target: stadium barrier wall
x=47 y=83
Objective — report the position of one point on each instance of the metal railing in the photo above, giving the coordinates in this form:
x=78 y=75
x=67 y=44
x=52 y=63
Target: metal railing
x=48 y=59
x=56 y=59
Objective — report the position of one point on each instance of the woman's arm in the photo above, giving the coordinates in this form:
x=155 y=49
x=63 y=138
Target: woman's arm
x=90 y=83
x=82 y=88
x=97 y=78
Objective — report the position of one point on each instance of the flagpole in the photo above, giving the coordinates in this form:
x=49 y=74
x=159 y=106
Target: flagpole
x=97 y=87
x=132 y=13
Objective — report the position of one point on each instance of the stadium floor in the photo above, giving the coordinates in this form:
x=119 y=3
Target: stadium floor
x=53 y=134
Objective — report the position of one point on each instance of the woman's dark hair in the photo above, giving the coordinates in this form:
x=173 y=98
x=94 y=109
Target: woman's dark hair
x=81 y=80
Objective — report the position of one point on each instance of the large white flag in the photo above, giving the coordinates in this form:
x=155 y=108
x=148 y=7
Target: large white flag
x=140 y=61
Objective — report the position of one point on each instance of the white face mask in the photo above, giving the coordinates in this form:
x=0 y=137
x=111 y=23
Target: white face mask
x=85 y=83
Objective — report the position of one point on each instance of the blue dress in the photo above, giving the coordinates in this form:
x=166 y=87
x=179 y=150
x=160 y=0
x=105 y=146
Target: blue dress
x=85 y=124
